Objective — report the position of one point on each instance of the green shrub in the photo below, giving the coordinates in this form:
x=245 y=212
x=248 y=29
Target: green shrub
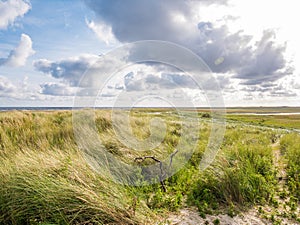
x=244 y=176
x=290 y=145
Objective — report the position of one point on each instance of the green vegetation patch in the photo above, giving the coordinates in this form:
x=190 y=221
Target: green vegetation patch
x=277 y=121
x=45 y=179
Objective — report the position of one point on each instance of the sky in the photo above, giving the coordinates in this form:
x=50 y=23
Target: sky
x=49 y=48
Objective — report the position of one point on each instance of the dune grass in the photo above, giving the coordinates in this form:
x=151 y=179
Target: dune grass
x=290 y=147
x=276 y=121
x=45 y=179
x=242 y=175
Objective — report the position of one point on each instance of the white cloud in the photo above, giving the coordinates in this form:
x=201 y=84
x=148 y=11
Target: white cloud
x=70 y=70
x=242 y=42
x=17 y=90
x=155 y=82
x=103 y=32
x=179 y=22
x=19 y=55
x=57 y=89
x=10 y=10
x=7 y=89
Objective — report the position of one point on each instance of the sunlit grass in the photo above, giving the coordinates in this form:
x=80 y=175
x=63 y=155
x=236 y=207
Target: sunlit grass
x=45 y=179
x=277 y=121
x=290 y=147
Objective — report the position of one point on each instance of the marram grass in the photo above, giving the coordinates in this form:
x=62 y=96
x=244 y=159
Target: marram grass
x=44 y=178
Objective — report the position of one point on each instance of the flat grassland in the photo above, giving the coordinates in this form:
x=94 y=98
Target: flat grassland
x=273 y=121
x=45 y=179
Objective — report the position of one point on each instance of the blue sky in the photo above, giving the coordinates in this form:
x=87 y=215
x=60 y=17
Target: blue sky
x=46 y=46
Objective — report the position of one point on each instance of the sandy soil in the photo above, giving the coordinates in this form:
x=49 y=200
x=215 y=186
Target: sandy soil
x=191 y=217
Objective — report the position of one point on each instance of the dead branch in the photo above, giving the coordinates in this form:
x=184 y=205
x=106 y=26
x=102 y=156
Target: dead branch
x=163 y=173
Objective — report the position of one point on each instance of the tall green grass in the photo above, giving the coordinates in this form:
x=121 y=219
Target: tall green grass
x=51 y=188
x=290 y=147
x=277 y=121
x=45 y=179
x=242 y=175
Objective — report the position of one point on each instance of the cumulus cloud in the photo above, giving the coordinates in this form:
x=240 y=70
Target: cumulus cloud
x=89 y=74
x=283 y=93
x=267 y=62
x=175 y=20
x=63 y=89
x=57 y=89
x=158 y=82
x=228 y=54
x=12 y=9
x=70 y=70
x=7 y=89
x=19 y=55
x=146 y=78
x=138 y=20
x=256 y=64
x=295 y=83
x=103 y=32
x=18 y=90
x=82 y=75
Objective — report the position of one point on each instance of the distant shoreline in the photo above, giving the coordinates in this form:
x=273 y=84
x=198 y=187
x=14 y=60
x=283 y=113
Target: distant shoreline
x=279 y=110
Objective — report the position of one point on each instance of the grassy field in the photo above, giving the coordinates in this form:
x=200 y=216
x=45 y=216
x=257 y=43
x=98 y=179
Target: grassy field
x=275 y=121
x=263 y=110
x=45 y=179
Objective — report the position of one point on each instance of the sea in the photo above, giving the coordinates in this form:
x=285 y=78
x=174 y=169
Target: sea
x=43 y=108
x=34 y=108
